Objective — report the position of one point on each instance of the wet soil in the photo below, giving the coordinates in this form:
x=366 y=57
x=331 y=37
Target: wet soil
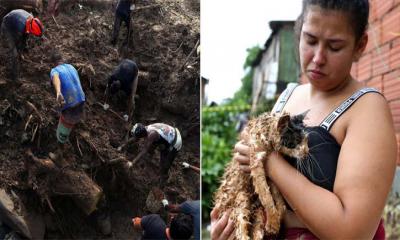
x=163 y=44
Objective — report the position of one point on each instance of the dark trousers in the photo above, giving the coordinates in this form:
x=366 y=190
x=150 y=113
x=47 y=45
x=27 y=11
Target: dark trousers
x=14 y=47
x=167 y=157
x=117 y=25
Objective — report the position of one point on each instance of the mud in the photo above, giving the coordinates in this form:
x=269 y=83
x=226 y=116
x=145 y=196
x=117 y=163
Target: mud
x=164 y=36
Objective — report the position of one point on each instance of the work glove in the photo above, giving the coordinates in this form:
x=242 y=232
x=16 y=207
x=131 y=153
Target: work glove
x=185 y=165
x=106 y=106
x=126 y=117
x=129 y=164
x=164 y=202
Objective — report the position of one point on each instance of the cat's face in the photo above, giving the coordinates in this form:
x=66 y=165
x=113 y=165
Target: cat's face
x=293 y=138
x=280 y=133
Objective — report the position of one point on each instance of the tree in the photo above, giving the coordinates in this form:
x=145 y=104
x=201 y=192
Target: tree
x=243 y=95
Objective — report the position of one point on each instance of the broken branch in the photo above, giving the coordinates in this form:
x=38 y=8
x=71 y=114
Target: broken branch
x=49 y=203
x=34 y=132
x=147 y=7
x=190 y=54
x=117 y=160
x=33 y=107
x=79 y=149
x=58 y=26
x=27 y=122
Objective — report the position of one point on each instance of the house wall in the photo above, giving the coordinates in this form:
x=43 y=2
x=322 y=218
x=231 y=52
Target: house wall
x=379 y=66
x=289 y=68
x=266 y=73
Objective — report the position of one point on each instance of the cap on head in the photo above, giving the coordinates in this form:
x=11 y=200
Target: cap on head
x=35 y=27
x=139 y=130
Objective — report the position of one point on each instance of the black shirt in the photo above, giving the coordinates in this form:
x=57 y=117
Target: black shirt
x=320 y=166
x=153 y=227
x=123 y=8
x=126 y=73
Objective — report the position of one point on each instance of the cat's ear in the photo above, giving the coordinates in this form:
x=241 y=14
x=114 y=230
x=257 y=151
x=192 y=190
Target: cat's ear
x=283 y=122
x=298 y=119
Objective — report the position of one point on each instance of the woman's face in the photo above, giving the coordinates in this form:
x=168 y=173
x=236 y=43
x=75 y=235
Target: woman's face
x=328 y=47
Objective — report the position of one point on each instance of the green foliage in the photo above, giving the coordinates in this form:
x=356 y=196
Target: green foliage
x=218 y=138
x=219 y=135
x=264 y=105
x=252 y=55
x=243 y=95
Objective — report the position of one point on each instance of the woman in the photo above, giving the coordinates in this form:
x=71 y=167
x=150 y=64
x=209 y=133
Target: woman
x=351 y=136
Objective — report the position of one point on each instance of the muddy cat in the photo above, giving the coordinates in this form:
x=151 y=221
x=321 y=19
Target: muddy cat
x=249 y=196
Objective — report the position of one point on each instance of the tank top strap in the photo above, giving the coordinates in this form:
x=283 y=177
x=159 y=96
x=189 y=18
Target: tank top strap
x=333 y=116
x=283 y=98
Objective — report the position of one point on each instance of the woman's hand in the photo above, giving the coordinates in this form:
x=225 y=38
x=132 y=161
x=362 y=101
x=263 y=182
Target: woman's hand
x=220 y=228
x=242 y=155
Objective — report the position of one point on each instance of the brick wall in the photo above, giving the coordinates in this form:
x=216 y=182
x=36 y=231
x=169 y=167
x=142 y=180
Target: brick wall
x=379 y=66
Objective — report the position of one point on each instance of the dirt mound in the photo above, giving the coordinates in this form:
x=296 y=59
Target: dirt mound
x=165 y=37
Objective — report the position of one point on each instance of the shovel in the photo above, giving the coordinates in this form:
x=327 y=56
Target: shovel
x=106 y=107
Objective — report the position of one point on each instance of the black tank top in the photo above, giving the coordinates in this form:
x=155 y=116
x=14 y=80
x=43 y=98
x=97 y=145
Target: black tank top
x=320 y=167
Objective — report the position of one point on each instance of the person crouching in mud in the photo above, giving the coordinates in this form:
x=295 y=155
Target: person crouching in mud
x=124 y=78
x=161 y=135
x=16 y=26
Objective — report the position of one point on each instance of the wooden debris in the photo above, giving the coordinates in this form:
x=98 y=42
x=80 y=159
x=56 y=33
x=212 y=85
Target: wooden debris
x=27 y=122
x=190 y=54
x=79 y=149
x=82 y=189
x=49 y=204
x=33 y=107
x=34 y=132
x=58 y=26
x=147 y=7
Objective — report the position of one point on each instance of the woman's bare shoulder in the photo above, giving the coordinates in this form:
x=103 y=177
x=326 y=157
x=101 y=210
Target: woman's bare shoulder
x=372 y=105
x=297 y=95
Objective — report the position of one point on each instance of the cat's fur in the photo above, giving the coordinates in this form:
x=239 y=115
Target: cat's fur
x=250 y=196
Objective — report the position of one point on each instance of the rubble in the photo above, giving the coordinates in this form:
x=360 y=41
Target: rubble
x=164 y=36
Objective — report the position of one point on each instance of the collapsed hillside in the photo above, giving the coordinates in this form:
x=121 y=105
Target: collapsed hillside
x=163 y=44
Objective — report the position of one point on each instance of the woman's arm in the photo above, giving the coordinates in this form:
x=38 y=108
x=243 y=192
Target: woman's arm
x=364 y=175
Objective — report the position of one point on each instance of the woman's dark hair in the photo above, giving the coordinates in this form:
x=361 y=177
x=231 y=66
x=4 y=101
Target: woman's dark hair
x=181 y=227
x=357 y=11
